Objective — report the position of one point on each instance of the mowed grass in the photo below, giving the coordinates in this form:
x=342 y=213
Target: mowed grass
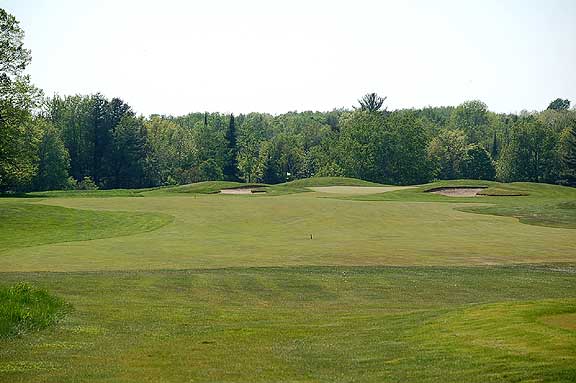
x=534 y=204
x=210 y=231
x=308 y=324
x=392 y=287
x=25 y=224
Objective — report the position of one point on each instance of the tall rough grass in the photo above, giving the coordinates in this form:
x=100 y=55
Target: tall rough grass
x=25 y=308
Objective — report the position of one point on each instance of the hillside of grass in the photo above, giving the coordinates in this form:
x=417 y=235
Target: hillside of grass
x=24 y=308
x=26 y=224
x=328 y=181
x=90 y=193
x=205 y=187
x=297 y=186
x=531 y=203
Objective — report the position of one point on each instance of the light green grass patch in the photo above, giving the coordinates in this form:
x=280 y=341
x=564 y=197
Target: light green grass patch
x=329 y=181
x=27 y=224
x=357 y=190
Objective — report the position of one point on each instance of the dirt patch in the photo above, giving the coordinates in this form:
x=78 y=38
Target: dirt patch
x=565 y=321
x=457 y=191
x=358 y=189
x=242 y=191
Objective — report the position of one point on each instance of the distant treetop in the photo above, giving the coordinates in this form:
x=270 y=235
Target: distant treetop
x=559 y=104
x=371 y=102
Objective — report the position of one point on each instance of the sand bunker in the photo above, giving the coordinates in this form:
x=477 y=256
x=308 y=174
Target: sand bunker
x=358 y=189
x=242 y=191
x=457 y=191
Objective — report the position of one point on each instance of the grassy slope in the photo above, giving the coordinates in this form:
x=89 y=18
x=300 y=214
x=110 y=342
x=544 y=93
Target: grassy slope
x=303 y=324
x=205 y=187
x=329 y=181
x=26 y=224
x=298 y=186
x=213 y=187
x=90 y=193
x=536 y=204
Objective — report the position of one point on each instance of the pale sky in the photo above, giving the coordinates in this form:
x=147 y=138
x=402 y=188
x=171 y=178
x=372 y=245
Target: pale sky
x=176 y=57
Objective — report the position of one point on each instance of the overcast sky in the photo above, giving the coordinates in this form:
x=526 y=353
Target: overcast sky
x=175 y=57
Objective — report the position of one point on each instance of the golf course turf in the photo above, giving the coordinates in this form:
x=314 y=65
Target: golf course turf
x=295 y=284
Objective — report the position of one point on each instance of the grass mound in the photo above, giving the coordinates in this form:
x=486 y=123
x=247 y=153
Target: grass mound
x=25 y=224
x=329 y=181
x=25 y=308
x=205 y=187
x=297 y=186
x=561 y=215
x=536 y=204
x=89 y=193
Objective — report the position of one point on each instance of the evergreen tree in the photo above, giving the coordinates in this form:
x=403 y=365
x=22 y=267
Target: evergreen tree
x=569 y=158
x=494 y=149
x=231 y=165
x=129 y=153
x=101 y=135
x=559 y=104
x=371 y=102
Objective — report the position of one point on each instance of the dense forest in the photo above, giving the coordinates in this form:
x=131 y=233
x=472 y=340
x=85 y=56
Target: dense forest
x=89 y=141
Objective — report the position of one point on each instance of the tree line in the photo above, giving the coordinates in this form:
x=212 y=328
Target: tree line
x=89 y=141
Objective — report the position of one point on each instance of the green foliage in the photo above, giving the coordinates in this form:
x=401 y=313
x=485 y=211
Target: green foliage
x=477 y=164
x=471 y=117
x=18 y=138
x=531 y=153
x=13 y=57
x=255 y=129
x=559 y=104
x=371 y=102
x=172 y=149
x=446 y=152
x=54 y=160
x=569 y=154
x=24 y=308
x=209 y=170
x=407 y=160
x=363 y=144
x=230 y=170
x=18 y=147
x=87 y=183
x=129 y=152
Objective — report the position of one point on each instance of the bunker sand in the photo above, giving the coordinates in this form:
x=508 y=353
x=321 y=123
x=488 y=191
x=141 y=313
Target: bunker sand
x=457 y=192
